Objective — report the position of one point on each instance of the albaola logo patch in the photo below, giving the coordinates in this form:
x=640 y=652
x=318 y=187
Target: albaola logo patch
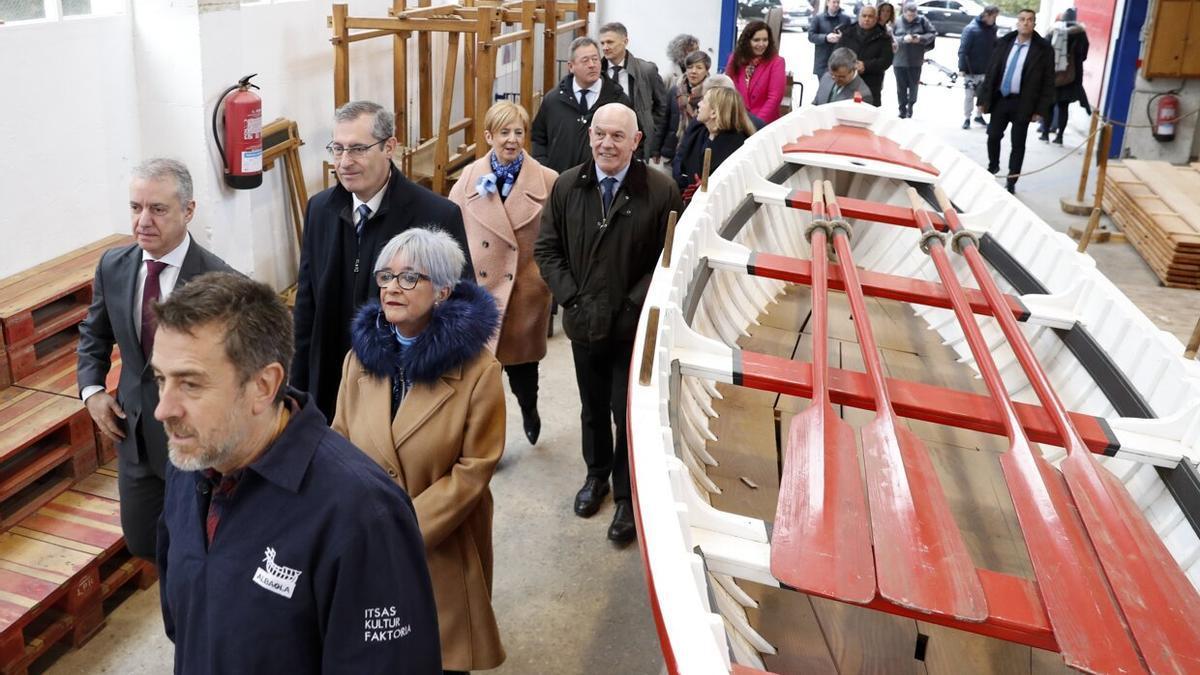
x=278 y=579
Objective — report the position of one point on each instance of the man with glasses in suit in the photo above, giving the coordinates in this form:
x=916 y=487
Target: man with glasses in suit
x=345 y=228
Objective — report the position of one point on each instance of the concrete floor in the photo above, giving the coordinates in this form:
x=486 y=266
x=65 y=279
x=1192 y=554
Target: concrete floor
x=567 y=600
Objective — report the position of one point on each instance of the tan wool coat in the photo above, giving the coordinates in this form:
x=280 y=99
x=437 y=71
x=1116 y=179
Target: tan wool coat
x=501 y=235
x=442 y=448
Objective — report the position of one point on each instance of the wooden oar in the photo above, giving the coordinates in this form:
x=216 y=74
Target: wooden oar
x=921 y=561
x=820 y=542
x=1087 y=625
x=1161 y=605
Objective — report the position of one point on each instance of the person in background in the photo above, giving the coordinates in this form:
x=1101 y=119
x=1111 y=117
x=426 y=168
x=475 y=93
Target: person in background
x=1070 y=42
x=914 y=34
x=677 y=51
x=601 y=237
x=421 y=395
x=975 y=49
x=723 y=126
x=872 y=43
x=501 y=197
x=887 y=18
x=842 y=82
x=824 y=32
x=1018 y=89
x=282 y=548
x=683 y=100
x=758 y=71
x=559 y=137
x=345 y=227
x=640 y=81
x=128 y=281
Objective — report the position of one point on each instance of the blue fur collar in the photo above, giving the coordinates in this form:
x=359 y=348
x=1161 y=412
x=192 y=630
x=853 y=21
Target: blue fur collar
x=461 y=326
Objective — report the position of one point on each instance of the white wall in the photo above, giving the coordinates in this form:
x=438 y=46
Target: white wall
x=652 y=24
x=69 y=134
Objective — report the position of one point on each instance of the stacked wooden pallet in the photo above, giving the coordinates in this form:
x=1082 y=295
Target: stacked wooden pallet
x=61 y=550
x=1157 y=205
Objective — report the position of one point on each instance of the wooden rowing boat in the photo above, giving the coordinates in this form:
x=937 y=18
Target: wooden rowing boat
x=883 y=418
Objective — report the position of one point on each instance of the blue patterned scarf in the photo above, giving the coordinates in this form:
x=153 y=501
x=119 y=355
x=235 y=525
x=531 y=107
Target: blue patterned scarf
x=503 y=176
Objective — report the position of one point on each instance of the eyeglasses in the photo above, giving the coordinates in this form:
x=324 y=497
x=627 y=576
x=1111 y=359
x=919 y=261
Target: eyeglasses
x=407 y=280
x=336 y=150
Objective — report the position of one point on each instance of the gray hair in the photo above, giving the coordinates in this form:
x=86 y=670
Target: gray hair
x=615 y=27
x=843 y=57
x=583 y=41
x=385 y=123
x=991 y=10
x=907 y=6
x=159 y=168
x=718 y=80
x=680 y=46
x=431 y=251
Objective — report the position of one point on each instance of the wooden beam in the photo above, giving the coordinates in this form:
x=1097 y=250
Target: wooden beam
x=550 y=48
x=528 y=8
x=425 y=77
x=442 y=149
x=582 y=12
x=341 y=57
x=485 y=76
x=400 y=80
x=578 y=25
x=434 y=25
x=470 y=73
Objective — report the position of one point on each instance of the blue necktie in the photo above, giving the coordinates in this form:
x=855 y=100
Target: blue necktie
x=610 y=191
x=364 y=212
x=583 y=105
x=1006 y=83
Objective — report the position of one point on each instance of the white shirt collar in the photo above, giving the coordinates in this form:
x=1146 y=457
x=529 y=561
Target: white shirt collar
x=372 y=203
x=176 y=256
x=594 y=89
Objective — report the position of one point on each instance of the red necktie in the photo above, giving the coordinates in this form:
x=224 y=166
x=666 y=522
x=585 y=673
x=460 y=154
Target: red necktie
x=150 y=295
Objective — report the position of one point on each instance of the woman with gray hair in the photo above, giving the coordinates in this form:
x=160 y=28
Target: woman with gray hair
x=677 y=50
x=421 y=395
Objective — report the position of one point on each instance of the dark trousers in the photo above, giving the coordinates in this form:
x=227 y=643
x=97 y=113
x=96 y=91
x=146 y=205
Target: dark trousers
x=602 y=373
x=908 y=80
x=141 y=488
x=1057 y=121
x=1005 y=110
x=523 y=380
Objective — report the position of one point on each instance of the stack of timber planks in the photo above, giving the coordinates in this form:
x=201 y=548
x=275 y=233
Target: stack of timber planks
x=61 y=550
x=1157 y=206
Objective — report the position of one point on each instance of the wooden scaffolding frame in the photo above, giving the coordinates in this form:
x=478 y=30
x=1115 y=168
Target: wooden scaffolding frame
x=476 y=26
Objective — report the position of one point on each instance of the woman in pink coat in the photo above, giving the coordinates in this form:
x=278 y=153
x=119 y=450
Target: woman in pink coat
x=501 y=197
x=758 y=71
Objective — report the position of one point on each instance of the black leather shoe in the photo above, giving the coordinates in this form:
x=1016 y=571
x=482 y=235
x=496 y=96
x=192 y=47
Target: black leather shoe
x=967 y=123
x=533 y=425
x=979 y=120
x=993 y=169
x=589 y=497
x=1044 y=137
x=1011 y=186
x=1057 y=139
x=622 y=529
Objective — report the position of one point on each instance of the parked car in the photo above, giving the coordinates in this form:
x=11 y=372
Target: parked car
x=951 y=16
x=796 y=15
x=749 y=10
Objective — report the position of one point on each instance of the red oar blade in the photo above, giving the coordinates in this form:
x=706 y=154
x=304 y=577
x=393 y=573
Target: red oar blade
x=921 y=560
x=1160 y=604
x=821 y=541
x=1088 y=627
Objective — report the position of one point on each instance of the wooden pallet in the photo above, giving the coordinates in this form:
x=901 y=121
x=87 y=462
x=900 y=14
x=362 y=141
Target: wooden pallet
x=58 y=377
x=47 y=443
x=1157 y=205
x=41 y=308
x=58 y=566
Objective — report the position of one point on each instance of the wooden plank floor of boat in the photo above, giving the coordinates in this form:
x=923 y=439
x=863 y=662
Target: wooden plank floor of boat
x=815 y=635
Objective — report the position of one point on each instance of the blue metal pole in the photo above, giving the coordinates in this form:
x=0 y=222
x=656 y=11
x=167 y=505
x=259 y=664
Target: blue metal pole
x=728 y=32
x=1123 y=72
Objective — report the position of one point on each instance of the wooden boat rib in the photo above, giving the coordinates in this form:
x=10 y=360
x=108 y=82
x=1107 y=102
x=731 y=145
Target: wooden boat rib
x=736 y=269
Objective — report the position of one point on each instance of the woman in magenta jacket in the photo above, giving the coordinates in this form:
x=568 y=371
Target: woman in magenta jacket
x=758 y=71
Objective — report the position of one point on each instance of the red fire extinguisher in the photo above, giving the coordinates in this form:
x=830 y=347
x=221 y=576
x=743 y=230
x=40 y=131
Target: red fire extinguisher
x=242 y=155
x=1165 y=116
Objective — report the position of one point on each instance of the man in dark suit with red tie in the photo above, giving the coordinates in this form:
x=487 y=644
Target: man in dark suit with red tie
x=128 y=282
